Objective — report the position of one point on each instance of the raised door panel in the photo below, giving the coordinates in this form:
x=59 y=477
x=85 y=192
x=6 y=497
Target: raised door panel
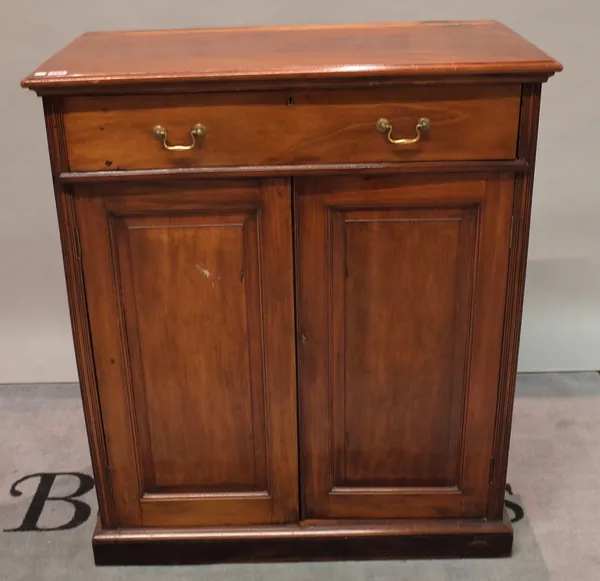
x=193 y=323
x=190 y=296
x=401 y=286
x=400 y=329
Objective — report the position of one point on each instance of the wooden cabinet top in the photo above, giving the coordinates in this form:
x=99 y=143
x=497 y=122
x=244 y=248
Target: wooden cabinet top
x=237 y=57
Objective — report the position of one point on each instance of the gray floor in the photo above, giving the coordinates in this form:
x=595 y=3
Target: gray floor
x=554 y=472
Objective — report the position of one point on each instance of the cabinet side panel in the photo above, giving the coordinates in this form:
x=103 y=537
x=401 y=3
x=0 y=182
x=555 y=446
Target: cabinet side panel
x=78 y=308
x=528 y=130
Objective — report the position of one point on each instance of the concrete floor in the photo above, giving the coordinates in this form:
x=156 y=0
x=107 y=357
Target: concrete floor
x=554 y=472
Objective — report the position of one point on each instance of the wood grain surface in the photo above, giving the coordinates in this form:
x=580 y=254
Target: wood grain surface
x=366 y=415
x=192 y=329
x=400 y=296
x=467 y=123
x=105 y=59
x=523 y=200
x=324 y=540
x=75 y=286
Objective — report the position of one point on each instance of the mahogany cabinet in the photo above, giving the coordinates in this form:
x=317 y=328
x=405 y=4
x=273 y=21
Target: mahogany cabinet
x=295 y=261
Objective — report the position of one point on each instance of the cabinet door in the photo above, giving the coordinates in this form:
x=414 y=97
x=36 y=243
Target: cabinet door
x=401 y=285
x=190 y=298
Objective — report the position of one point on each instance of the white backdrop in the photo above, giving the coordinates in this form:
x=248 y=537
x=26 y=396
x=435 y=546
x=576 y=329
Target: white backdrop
x=561 y=329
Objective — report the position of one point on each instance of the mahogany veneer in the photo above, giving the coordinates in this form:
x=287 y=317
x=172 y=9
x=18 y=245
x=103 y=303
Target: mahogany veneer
x=296 y=335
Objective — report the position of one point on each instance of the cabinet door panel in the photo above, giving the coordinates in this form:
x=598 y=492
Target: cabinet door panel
x=401 y=287
x=403 y=318
x=190 y=298
x=195 y=295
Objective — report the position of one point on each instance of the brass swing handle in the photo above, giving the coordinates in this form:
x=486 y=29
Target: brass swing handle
x=160 y=134
x=383 y=125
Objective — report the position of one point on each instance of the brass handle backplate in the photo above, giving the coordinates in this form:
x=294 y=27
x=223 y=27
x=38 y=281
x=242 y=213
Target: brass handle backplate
x=383 y=125
x=160 y=134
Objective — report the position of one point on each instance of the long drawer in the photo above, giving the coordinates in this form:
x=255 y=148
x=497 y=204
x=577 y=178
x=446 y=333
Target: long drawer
x=439 y=122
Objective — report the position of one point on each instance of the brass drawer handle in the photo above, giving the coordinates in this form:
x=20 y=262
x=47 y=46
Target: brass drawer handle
x=160 y=134
x=383 y=125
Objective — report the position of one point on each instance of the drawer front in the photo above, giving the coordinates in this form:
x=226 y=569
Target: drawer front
x=467 y=122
